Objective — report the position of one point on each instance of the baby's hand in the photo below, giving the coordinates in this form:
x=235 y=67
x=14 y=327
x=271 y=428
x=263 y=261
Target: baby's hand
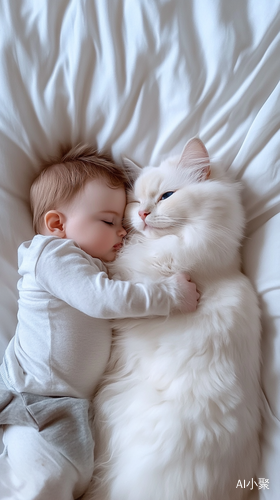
x=187 y=294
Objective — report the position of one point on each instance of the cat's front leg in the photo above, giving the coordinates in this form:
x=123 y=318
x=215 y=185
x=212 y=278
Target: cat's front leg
x=165 y=254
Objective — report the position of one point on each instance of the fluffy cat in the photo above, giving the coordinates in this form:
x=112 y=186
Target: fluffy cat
x=178 y=410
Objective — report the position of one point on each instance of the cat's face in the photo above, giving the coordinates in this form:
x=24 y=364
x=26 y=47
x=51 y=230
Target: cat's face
x=165 y=198
x=156 y=206
x=201 y=212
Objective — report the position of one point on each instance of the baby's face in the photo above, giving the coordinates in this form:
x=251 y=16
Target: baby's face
x=94 y=219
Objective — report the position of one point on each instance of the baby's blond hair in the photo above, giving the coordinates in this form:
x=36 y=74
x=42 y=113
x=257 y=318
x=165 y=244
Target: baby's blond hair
x=62 y=178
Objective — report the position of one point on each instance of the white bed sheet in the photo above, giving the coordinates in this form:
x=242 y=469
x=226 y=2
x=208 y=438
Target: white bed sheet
x=140 y=78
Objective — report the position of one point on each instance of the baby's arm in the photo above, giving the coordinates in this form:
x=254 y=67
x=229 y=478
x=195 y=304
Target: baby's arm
x=137 y=299
x=66 y=272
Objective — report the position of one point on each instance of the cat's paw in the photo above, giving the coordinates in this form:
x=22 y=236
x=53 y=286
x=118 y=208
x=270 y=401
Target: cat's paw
x=164 y=255
x=164 y=266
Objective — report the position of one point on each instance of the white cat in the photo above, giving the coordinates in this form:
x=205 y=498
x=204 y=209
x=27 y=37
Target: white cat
x=178 y=411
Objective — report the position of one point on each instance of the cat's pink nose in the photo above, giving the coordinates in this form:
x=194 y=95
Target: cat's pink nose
x=143 y=214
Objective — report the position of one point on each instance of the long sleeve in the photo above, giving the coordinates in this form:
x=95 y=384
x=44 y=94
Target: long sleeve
x=69 y=274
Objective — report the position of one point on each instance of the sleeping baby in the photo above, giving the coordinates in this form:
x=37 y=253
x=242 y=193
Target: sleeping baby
x=54 y=362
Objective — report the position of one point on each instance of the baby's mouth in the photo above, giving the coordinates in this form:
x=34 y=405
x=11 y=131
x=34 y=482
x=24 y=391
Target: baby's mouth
x=118 y=246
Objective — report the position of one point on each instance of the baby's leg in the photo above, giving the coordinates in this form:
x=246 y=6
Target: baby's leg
x=31 y=468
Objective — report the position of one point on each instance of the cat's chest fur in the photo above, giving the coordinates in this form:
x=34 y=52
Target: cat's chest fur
x=148 y=259
x=223 y=298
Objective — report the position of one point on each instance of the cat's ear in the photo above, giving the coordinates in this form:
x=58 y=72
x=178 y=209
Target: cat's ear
x=195 y=155
x=131 y=168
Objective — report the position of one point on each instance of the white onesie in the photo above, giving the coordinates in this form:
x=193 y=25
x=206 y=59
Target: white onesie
x=63 y=337
x=60 y=349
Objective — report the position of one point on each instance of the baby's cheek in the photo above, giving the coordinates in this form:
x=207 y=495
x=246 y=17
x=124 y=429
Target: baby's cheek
x=106 y=235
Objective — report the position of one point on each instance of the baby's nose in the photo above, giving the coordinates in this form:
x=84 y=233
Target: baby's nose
x=123 y=232
x=143 y=214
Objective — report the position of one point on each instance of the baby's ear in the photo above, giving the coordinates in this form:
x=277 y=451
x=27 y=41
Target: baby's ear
x=195 y=155
x=132 y=170
x=54 y=224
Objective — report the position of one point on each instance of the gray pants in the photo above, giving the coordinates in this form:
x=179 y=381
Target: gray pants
x=64 y=422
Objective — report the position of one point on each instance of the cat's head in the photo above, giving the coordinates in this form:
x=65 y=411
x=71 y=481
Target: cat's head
x=185 y=195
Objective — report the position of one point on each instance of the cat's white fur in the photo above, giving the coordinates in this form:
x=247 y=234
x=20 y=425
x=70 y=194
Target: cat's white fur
x=177 y=414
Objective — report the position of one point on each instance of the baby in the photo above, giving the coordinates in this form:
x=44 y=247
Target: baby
x=62 y=342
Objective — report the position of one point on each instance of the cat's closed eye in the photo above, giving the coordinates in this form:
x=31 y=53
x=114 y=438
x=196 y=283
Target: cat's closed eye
x=166 y=195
